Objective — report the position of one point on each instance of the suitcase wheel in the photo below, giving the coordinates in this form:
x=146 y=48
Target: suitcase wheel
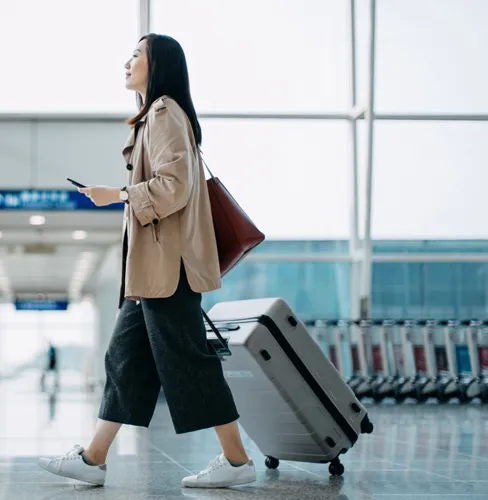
x=272 y=463
x=367 y=426
x=336 y=468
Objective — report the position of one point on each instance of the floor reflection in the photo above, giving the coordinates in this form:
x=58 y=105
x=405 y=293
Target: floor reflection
x=417 y=451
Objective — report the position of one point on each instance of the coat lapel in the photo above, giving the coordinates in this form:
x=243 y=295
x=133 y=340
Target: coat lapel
x=131 y=140
x=129 y=145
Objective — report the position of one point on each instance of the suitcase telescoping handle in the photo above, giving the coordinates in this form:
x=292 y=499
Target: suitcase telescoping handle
x=221 y=346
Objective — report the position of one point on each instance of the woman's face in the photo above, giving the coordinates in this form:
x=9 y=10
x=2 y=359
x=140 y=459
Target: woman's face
x=137 y=69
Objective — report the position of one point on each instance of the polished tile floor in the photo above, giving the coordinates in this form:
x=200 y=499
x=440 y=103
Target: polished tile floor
x=416 y=452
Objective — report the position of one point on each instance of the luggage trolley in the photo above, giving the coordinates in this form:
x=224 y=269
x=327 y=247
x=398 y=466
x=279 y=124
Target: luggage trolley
x=400 y=359
x=361 y=333
x=465 y=356
x=471 y=384
x=351 y=333
x=398 y=354
x=344 y=352
x=376 y=351
x=483 y=357
x=449 y=384
x=427 y=384
x=333 y=337
x=406 y=385
x=383 y=357
x=322 y=331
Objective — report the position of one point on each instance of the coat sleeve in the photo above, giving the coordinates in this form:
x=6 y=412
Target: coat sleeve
x=169 y=150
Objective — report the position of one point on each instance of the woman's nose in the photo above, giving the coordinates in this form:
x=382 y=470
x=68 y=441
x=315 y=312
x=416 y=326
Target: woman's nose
x=127 y=65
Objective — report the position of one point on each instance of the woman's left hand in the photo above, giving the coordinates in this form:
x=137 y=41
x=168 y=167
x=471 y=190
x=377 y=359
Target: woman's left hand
x=101 y=195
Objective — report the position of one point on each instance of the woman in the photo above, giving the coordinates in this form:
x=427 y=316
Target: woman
x=169 y=259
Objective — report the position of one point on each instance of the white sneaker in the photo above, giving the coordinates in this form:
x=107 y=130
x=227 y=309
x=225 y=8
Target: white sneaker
x=220 y=474
x=73 y=466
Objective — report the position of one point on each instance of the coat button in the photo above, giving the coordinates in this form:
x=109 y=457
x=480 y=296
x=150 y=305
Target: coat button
x=129 y=167
x=155 y=221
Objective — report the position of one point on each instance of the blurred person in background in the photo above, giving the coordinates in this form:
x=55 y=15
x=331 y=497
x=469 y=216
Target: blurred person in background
x=51 y=368
x=169 y=259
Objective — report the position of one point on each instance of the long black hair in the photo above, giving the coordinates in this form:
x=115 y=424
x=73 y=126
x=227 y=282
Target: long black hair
x=167 y=75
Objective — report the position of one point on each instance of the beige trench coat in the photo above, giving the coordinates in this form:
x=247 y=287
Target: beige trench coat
x=168 y=218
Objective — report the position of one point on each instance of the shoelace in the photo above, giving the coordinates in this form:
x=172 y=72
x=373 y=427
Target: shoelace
x=71 y=455
x=213 y=465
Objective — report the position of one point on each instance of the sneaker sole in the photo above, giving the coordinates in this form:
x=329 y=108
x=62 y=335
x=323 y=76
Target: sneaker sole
x=72 y=476
x=221 y=485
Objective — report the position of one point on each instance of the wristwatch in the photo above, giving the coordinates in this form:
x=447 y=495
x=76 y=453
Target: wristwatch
x=124 y=195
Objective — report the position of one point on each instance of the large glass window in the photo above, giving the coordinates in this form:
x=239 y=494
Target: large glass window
x=429 y=180
x=430 y=290
x=313 y=289
x=277 y=55
x=290 y=176
x=66 y=56
x=429 y=55
x=321 y=290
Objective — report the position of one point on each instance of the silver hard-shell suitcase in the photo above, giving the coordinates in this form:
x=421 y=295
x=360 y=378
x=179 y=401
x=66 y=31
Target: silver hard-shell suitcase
x=292 y=401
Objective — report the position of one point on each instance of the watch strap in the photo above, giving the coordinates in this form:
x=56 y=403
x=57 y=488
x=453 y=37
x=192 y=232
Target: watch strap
x=124 y=189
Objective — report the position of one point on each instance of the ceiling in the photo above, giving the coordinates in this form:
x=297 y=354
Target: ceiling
x=46 y=259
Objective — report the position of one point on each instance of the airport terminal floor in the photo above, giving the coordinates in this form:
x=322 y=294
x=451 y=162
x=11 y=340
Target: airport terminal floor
x=416 y=452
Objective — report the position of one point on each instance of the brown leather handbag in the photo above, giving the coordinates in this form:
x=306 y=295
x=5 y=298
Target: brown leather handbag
x=235 y=232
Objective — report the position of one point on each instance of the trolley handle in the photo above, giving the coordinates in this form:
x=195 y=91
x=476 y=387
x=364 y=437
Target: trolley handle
x=221 y=345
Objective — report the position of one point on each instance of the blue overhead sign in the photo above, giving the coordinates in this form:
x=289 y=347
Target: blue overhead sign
x=49 y=199
x=41 y=305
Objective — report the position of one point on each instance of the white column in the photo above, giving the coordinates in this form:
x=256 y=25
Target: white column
x=144 y=17
x=366 y=267
x=353 y=156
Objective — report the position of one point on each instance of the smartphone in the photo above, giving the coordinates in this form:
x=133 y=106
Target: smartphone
x=77 y=184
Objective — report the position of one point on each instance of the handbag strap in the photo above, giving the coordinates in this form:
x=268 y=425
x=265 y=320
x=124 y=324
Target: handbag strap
x=205 y=163
x=214 y=329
